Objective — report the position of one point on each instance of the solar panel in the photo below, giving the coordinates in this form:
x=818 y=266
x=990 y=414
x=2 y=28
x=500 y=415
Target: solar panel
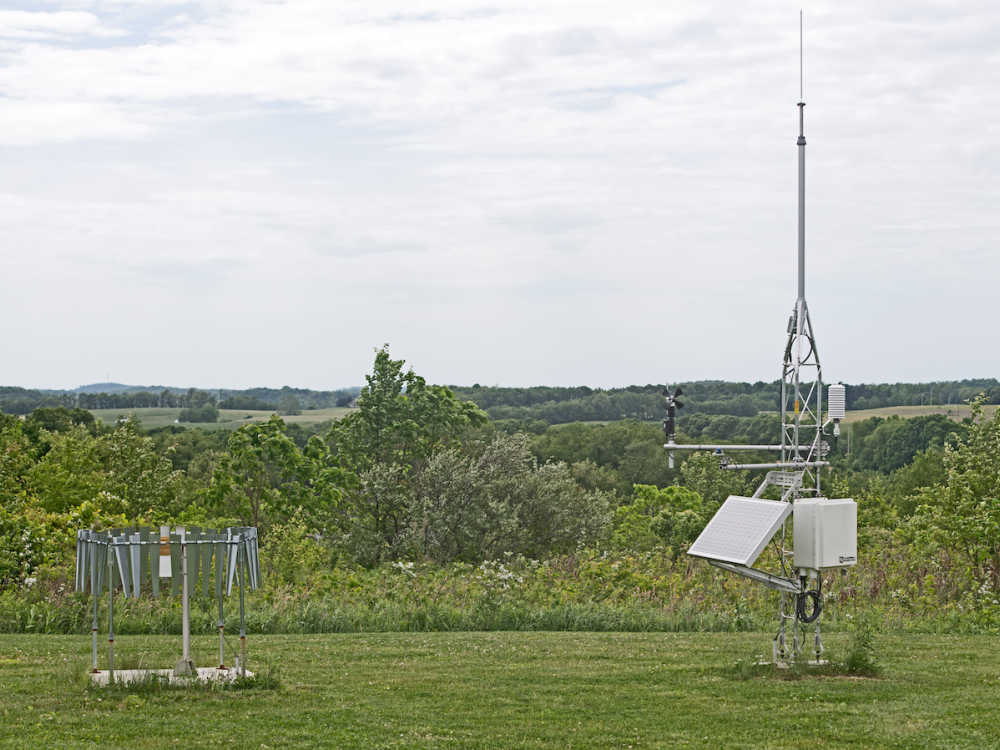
x=740 y=529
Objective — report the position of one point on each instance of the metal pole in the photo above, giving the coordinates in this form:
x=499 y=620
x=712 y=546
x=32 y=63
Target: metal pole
x=221 y=588
x=728 y=448
x=185 y=598
x=243 y=625
x=185 y=666
x=111 y=612
x=784 y=417
x=780 y=646
x=802 y=202
x=794 y=465
x=93 y=593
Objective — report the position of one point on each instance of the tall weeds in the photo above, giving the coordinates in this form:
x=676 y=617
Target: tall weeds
x=587 y=591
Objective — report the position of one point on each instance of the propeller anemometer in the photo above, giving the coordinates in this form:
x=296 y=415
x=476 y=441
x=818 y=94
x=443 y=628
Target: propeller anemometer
x=671 y=405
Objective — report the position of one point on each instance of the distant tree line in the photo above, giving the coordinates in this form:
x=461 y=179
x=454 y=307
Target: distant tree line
x=644 y=403
x=537 y=404
x=708 y=397
x=193 y=399
x=878 y=396
x=15 y=400
x=244 y=401
x=306 y=398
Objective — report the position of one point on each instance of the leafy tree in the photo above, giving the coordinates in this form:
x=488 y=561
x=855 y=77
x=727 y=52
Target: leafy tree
x=250 y=403
x=185 y=445
x=702 y=475
x=593 y=477
x=498 y=503
x=196 y=399
x=138 y=478
x=918 y=434
x=683 y=517
x=632 y=450
x=646 y=462
x=290 y=552
x=963 y=514
x=868 y=441
x=71 y=472
x=260 y=460
x=926 y=470
x=288 y=405
x=265 y=477
x=400 y=420
x=56 y=419
x=673 y=516
x=15 y=459
x=399 y=424
x=204 y=414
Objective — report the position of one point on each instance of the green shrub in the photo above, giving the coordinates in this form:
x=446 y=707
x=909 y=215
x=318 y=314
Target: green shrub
x=206 y=414
x=862 y=654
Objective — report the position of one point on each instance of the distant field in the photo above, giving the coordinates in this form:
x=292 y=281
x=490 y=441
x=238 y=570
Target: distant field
x=229 y=419
x=958 y=413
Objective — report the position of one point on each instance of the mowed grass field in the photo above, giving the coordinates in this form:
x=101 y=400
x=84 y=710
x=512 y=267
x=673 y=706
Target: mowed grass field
x=229 y=419
x=509 y=690
x=956 y=412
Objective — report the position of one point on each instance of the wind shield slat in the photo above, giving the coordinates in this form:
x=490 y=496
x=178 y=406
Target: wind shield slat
x=175 y=564
x=206 y=561
x=233 y=557
x=135 y=550
x=121 y=557
x=144 y=554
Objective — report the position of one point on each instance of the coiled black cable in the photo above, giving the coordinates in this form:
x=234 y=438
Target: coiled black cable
x=817 y=604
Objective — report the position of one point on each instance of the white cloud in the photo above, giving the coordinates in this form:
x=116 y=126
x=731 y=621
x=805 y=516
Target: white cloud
x=59 y=26
x=568 y=188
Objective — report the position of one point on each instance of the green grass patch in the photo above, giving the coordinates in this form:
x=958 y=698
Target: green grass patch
x=509 y=690
x=229 y=419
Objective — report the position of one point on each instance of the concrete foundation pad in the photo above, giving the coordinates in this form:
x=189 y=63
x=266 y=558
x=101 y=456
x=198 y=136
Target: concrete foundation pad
x=204 y=674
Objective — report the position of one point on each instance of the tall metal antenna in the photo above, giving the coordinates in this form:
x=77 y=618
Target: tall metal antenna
x=802 y=375
x=796 y=476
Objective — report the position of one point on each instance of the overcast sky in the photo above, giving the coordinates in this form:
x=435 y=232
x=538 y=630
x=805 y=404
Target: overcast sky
x=233 y=194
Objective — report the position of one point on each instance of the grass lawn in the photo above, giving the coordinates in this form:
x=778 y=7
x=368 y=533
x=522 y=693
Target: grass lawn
x=229 y=419
x=509 y=690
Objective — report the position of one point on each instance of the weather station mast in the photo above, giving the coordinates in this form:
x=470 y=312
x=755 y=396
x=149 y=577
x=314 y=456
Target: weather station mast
x=825 y=530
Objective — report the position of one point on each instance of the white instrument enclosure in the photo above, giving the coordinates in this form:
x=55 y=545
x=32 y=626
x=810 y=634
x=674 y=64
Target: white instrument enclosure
x=825 y=533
